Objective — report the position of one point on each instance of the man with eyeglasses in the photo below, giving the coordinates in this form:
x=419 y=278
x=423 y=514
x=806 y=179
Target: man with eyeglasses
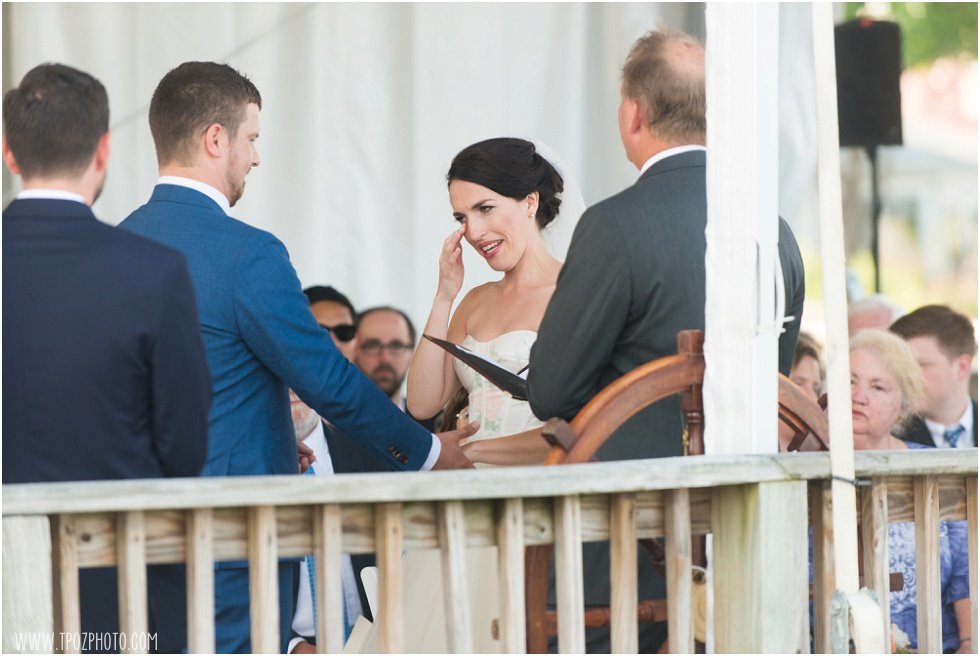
x=385 y=343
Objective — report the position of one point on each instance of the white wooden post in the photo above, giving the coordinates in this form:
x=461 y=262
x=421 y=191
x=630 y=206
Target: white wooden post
x=741 y=334
x=759 y=569
x=844 y=499
x=28 y=612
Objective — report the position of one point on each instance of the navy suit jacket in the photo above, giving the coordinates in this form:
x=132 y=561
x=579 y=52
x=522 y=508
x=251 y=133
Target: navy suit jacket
x=261 y=338
x=103 y=367
x=915 y=429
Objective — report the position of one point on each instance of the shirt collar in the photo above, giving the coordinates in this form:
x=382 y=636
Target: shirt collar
x=670 y=152
x=197 y=185
x=50 y=194
x=966 y=421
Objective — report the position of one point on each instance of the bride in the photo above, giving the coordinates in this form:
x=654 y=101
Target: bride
x=504 y=193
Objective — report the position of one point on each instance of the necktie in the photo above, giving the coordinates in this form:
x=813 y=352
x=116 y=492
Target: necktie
x=311 y=570
x=953 y=435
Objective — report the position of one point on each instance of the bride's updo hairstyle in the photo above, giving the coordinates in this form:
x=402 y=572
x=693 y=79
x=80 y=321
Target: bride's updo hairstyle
x=512 y=168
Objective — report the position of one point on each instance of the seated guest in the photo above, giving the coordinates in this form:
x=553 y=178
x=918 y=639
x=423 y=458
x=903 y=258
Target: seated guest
x=335 y=314
x=875 y=311
x=808 y=369
x=385 y=343
x=886 y=383
x=944 y=344
x=104 y=368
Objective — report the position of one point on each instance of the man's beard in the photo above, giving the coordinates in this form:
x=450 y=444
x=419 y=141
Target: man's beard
x=391 y=386
x=237 y=191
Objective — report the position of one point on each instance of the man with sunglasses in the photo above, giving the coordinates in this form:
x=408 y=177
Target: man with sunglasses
x=336 y=314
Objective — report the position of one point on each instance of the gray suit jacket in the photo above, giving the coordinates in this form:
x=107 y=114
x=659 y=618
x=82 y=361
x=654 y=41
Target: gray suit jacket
x=633 y=279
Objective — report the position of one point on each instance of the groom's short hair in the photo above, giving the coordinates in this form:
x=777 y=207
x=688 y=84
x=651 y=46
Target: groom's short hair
x=191 y=98
x=665 y=72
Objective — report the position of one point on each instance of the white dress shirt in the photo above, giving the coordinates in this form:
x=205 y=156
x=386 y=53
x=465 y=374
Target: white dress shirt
x=670 y=152
x=50 y=194
x=966 y=421
x=202 y=187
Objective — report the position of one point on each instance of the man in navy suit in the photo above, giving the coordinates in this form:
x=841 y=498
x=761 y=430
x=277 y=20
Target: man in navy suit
x=103 y=362
x=944 y=344
x=259 y=335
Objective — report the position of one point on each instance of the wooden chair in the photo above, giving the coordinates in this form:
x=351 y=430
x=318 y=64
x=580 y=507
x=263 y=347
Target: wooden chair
x=579 y=440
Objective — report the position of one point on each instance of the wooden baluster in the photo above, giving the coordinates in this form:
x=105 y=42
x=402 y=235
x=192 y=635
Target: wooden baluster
x=971 y=530
x=874 y=538
x=327 y=551
x=131 y=559
x=388 y=545
x=510 y=558
x=928 y=596
x=200 y=581
x=64 y=559
x=677 y=522
x=263 y=579
x=623 y=630
x=452 y=545
x=568 y=575
x=823 y=564
x=28 y=614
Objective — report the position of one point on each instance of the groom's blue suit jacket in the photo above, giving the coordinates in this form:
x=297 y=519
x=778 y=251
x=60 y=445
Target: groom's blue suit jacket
x=261 y=338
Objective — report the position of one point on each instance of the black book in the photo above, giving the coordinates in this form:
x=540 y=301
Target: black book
x=508 y=381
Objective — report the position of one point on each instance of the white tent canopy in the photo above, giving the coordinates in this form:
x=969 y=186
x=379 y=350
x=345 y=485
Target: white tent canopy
x=364 y=106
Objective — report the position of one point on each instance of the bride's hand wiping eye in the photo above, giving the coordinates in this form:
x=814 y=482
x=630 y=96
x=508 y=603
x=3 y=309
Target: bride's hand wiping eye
x=451 y=265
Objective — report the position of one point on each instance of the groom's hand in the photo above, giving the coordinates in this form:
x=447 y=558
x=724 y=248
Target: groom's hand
x=452 y=456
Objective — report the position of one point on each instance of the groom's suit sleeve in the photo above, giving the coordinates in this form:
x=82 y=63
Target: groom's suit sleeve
x=582 y=324
x=275 y=321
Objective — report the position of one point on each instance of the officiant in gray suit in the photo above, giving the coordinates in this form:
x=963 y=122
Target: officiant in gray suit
x=635 y=276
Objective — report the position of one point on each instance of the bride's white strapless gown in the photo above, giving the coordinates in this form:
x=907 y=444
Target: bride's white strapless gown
x=497 y=412
x=499 y=415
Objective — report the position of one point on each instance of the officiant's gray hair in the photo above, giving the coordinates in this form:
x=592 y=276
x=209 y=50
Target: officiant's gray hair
x=665 y=72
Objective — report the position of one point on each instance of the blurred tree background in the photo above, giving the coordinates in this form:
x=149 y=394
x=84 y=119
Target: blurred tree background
x=930 y=30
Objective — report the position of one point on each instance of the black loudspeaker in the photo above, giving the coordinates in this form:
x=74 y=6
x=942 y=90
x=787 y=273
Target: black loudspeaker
x=869 y=65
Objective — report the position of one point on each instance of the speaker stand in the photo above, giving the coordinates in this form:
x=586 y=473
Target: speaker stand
x=875 y=214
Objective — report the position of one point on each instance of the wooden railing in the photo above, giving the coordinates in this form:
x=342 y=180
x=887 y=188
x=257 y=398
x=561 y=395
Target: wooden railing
x=755 y=507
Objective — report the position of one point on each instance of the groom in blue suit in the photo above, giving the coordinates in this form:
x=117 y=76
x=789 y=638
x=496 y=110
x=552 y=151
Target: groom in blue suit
x=259 y=335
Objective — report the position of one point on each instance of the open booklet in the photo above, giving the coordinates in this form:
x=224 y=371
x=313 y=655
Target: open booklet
x=513 y=384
